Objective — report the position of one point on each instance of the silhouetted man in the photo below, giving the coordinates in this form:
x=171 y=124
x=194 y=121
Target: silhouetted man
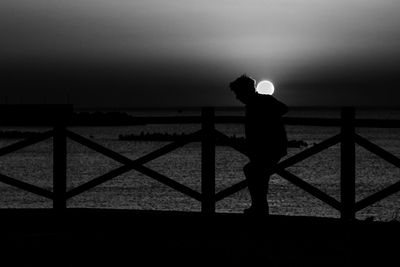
x=265 y=139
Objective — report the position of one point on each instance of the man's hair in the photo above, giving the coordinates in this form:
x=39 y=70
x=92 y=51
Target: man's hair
x=243 y=83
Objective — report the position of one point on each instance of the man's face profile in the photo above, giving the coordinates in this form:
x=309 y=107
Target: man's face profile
x=243 y=87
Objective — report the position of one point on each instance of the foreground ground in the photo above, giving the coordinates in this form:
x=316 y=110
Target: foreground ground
x=82 y=237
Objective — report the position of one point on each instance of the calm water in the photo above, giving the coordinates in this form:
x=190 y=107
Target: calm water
x=136 y=191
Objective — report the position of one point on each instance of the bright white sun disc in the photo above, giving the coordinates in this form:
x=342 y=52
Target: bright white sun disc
x=265 y=87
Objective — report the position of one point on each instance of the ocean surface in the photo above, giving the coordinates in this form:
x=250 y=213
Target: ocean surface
x=134 y=190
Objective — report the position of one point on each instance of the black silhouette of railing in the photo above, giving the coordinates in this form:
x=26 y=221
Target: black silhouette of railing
x=57 y=116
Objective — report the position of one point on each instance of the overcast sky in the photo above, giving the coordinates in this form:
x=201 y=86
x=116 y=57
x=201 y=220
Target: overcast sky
x=185 y=52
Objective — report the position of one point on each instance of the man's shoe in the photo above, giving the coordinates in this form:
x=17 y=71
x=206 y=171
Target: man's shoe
x=256 y=211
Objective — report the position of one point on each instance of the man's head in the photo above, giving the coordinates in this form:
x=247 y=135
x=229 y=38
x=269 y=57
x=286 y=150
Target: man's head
x=244 y=87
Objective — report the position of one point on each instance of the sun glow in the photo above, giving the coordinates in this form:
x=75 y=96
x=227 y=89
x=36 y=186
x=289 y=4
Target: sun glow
x=265 y=87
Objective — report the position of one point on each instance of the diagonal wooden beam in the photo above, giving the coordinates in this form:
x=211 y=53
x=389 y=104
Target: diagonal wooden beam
x=98 y=148
x=294 y=159
x=132 y=165
x=309 y=152
x=281 y=166
x=389 y=157
x=310 y=189
x=125 y=160
x=375 y=149
x=125 y=168
x=291 y=178
x=169 y=182
x=25 y=186
x=193 y=137
x=97 y=181
x=231 y=190
x=378 y=196
x=24 y=143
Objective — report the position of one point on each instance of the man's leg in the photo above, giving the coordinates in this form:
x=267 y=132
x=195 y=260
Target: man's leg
x=256 y=176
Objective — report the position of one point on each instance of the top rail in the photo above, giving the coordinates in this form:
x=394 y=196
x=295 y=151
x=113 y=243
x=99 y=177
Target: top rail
x=49 y=115
x=35 y=115
x=373 y=123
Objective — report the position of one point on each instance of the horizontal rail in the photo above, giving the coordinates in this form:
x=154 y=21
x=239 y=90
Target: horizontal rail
x=327 y=122
x=375 y=123
x=368 y=123
x=35 y=115
x=334 y=122
x=49 y=114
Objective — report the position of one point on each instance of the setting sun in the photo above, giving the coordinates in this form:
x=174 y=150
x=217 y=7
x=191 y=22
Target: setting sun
x=265 y=87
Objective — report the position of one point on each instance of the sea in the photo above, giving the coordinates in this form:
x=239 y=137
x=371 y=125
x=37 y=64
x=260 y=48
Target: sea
x=134 y=190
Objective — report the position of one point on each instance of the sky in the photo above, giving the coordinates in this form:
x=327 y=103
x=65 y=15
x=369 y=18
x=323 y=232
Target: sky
x=152 y=53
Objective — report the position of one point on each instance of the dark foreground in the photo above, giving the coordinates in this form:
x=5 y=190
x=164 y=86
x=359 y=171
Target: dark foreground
x=82 y=237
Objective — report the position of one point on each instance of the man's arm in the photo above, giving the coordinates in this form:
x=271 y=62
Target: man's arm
x=280 y=107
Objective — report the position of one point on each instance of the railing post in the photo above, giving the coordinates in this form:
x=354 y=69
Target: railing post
x=208 y=161
x=60 y=162
x=348 y=161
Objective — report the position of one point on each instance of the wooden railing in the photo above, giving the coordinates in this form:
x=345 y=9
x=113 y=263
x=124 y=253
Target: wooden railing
x=58 y=117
